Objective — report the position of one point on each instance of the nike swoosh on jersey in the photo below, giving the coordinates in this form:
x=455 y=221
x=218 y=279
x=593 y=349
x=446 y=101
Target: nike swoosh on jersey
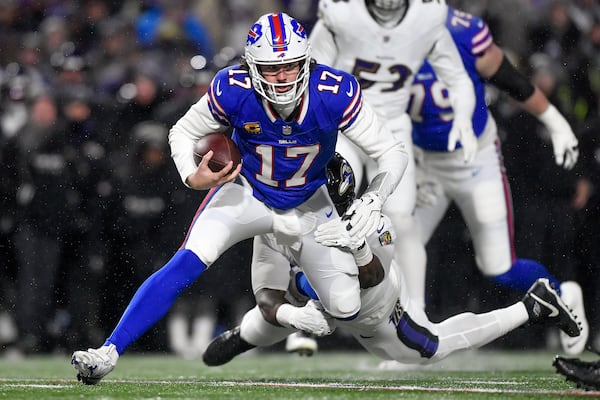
x=554 y=312
x=329 y=213
x=218 y=90
x=351 y=91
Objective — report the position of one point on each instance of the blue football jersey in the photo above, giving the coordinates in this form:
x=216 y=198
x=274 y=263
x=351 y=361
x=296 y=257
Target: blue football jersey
x=430 y=108
x=285 y=160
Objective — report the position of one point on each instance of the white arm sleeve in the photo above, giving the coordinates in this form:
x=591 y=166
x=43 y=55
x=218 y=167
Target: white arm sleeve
x=323 y=47
x=447 y=63
x=375 y=139
x=195 y=123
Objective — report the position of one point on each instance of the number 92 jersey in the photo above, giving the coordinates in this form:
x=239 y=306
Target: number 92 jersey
x=383 y=59
x=285 y=160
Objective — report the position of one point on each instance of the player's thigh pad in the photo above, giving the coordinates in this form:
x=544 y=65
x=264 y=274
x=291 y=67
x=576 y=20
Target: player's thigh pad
x=228 y=215
x=485 y=203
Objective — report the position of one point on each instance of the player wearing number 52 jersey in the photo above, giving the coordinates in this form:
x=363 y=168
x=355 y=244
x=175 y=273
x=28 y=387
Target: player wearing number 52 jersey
x=285 y=112
x=383 y=43
x=480 y=189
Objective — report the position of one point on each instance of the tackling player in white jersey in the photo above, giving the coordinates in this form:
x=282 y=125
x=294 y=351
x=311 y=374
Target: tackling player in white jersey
x=285 y=111
x=389 y=325
x=480 y=189
x=383 y=43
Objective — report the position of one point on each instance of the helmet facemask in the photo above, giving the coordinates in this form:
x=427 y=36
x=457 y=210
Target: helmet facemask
x=277 y=40
x=387 y=12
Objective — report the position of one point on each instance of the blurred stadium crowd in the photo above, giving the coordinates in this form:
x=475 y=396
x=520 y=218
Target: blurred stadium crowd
x=91 y=204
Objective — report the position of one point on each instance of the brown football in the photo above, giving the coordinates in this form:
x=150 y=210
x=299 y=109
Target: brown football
x=224 y=150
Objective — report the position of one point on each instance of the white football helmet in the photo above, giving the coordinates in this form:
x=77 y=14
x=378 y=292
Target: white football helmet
x=278 y=39
x=387 y=12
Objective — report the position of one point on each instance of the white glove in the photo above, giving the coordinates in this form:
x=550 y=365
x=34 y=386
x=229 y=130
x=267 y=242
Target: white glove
x=311 y=318
x=362 y=217
x=428 y=193
x=462 y=131
x=429 y=189
x=564 y=142
x=334 y=234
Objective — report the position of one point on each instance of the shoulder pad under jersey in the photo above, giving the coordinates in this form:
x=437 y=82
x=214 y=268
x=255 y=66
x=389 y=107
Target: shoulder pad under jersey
x=228 y=90
x=470 y=33
x=338 y=92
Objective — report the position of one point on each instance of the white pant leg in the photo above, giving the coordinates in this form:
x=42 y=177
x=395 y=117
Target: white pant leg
x=484 y=200
x=332 y=273
x=481 y=192
x=409 y=337
x=470 y=331
x=226 y=216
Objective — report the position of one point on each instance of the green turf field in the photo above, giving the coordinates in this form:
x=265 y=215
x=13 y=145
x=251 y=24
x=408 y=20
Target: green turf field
x=274 y=375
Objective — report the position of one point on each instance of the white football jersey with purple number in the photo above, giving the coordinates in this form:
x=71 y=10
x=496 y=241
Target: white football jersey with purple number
x=385 y=66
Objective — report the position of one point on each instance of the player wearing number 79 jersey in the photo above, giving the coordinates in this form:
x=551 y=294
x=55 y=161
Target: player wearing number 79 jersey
x=480 y=190
x=285 y=112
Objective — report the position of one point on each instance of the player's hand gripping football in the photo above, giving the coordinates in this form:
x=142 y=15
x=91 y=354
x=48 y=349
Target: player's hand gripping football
x=564 y=142
x=462 y=131
x=334 y=234
x=362 y=216
x=203 y=178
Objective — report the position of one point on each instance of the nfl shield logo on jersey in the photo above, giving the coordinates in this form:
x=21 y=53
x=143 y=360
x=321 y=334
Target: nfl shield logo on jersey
x=286 y=130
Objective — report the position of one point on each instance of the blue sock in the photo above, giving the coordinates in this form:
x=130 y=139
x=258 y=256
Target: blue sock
x=523 y=273
x=154 y=298
x=304 y=287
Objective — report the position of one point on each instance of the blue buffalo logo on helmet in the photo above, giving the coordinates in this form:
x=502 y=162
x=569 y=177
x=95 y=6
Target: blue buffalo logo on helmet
x=298 y=29
x=254 y=34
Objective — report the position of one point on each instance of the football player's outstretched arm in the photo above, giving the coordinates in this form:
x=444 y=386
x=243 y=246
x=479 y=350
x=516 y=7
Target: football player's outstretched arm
x=447 y=63
x=334 y=234
x=375 y=139
x=270 y=281
x=494 y=66
x=323 y=47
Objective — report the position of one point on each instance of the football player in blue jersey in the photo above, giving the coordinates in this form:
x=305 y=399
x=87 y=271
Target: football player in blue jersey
x=285 y=112
x=480 y=189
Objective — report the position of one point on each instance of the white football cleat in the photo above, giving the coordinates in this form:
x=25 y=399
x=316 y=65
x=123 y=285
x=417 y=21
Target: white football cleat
x=301 y=343
x=94 y=364
x=573 y=297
